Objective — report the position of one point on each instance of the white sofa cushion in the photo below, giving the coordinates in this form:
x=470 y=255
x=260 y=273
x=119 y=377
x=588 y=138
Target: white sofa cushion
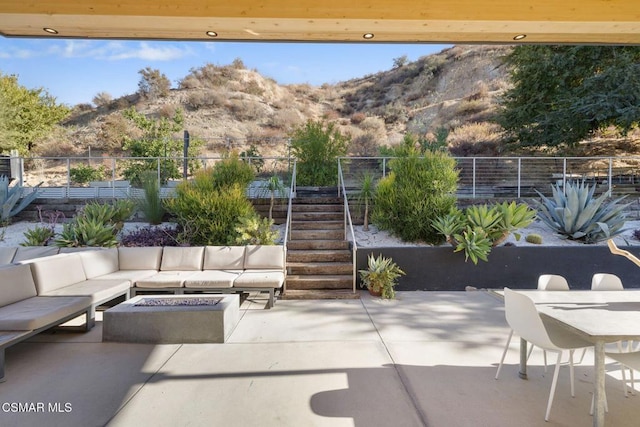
x=182 y=258
x=99 y=262
x=34 y=313
x=260 y=279
x=165 y=279
x=16 y=284
x=30 y=252
x=98 y=290
x=223 y=258
x=212 y=279
x=56 y=272
x=144 y=258
x=7 y=254
x=130 y=275
x=264 y=257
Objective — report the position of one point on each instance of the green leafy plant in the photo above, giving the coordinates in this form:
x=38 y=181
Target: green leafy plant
x=109 y=214
x=480 y=227
x=230 y=171
x=576 y=215
x=253 y=157
x=317 y=146
x=82 y=174
x=151 y=204
x=381 y=276
x=207 y=214
x=87 y=232
x=420 y=188
x=254 y=230
x=365 y=195
x=11 y=201
x=273 y=187
x=38 y=236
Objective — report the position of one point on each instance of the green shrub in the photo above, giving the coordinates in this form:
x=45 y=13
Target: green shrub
x=82 y=174
x=254 y=230
x=207 y=214
x=38 y=236
x=231 y=171
x=317 y=146
x=151 y=204
x=576 y=215
x=109 y=214
x=420 y=188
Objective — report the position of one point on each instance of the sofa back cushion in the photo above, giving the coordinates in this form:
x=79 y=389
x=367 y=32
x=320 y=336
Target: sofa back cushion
x=145 y=258
x=182 y=258
x=25 y=253
x=264 y=257
x=223 y=258
x=99 y=262
x=6 y=254
x=16 y=284
x=57 y=271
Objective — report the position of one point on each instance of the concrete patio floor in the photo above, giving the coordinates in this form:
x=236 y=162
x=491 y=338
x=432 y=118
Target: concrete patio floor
x=424 y=359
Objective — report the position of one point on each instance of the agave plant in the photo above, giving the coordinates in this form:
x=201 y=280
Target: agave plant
x=381 y=276
x=10 y=196
x=576 y=215
x=479 y=228
x=86 y=232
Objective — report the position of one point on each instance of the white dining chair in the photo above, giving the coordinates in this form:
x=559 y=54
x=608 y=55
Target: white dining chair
x=550 y=282
x=524 y=319
x=606 y=282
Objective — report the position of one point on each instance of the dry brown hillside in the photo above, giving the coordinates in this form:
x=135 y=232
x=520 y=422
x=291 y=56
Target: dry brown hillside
x=233 y=107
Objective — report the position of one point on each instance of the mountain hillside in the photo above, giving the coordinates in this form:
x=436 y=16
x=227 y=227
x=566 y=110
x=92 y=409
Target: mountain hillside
x=231 y=107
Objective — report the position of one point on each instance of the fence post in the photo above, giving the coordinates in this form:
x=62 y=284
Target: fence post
x=564 y=175
x=68 y=176
x=610 y=175
x=185 y=152
x=473 y=179
x=158 y=160
x=519 y=174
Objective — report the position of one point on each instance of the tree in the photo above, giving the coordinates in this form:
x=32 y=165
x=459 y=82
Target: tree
x=153 y=84
x=26 y=115
x=157 y=141
x=562 y=94
x=317 y=146
x=400 y=61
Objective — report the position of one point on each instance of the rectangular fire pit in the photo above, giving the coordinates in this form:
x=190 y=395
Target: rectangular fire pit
x=172 y=319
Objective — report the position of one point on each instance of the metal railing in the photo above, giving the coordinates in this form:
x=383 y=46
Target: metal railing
x=518 y=177
x=287 y=227
x=348 y=223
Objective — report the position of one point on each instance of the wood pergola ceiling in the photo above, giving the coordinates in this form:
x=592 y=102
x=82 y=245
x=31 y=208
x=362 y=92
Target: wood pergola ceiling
x=409 y=21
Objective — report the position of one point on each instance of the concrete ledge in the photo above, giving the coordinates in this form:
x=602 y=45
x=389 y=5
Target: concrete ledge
x=172 y=324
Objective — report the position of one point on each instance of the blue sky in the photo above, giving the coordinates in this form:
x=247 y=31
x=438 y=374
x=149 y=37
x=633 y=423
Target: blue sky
x=74 y=71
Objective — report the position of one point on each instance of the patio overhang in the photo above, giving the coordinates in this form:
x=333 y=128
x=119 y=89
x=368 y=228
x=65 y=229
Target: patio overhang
x=407 y=21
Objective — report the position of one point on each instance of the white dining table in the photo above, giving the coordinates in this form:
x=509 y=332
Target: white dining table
x=599 y=317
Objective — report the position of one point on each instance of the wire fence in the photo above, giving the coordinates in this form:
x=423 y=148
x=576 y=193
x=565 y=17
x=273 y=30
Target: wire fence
x=479 y=177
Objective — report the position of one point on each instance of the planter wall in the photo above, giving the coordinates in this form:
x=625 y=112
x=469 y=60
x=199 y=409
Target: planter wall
x=439 y=269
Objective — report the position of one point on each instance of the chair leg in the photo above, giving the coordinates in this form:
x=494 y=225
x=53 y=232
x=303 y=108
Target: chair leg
x=504 y=353
x=544 y=355
x=571 y=375
x=553 y=386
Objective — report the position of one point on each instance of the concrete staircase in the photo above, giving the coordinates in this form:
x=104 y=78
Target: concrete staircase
x=319 y=258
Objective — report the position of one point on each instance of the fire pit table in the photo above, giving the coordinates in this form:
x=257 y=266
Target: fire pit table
x=172 y=319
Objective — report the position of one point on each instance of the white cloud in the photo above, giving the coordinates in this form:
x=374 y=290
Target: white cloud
x=148 y=52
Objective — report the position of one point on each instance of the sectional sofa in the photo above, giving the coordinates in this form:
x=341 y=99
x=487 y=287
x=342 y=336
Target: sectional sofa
x=40 y=293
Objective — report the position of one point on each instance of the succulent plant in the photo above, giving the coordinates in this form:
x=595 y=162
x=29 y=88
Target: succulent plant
x=86 y=232
x=10 y=196
x=576 y=215
x=534 y=238
x=481 y=227
x=38 y=236
x=381 y=276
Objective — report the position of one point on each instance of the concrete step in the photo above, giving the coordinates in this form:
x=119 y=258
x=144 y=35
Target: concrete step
x=317 y=234
x=317 y=244
x=319 y=268
x=329 y=200
x=320 y=294
x=314 y=225
x=319 y=282
x=342 y=255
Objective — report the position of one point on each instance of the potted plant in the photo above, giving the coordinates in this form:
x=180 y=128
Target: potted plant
x=381 y=276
